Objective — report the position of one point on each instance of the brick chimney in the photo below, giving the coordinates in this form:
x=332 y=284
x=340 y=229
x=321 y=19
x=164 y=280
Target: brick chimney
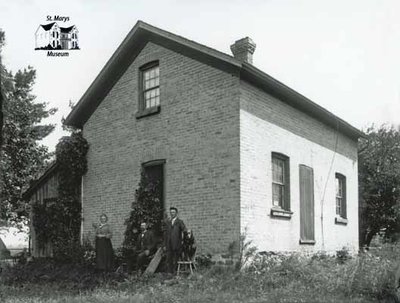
x=243 y=50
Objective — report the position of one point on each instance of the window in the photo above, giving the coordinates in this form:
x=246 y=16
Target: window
x=341 y=196
x=150 y=86
x=280 y=181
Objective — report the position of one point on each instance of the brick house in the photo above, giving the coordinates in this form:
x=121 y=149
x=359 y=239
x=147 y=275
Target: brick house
x=236 y=150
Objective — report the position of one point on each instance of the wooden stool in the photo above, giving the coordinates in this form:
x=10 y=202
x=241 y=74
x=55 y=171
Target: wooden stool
x=187 y=266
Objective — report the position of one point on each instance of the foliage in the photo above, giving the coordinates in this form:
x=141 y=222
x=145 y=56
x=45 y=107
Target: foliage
x=1 y=91
x=343 y=254
x=204 y=260
x=270 y=277
x=5 y=254
x=60 y=222
x=72 y=165
x=78 y=276
x=22 y=157
x=40 y=222
x=146 y=208
x=379 y=178
x=247 y=251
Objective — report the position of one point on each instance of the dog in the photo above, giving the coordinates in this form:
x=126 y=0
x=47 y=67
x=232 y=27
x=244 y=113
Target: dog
x=188 y=246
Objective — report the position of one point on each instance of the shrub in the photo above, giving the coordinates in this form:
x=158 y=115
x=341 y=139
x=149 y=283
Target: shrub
x=343 y=255
x=204 y=261
x=247 y=251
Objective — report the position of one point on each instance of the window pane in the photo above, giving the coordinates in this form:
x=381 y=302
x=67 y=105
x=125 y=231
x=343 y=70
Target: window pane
x=277 y=195
x=338 y=206
x=277 y=170
x=157 y=100
x=339 y=187
x=147 y=95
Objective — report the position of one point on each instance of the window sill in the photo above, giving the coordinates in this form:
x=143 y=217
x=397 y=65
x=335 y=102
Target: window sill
x=281 y=213
x=148 y=112
x=307 y=242
x=340 y=220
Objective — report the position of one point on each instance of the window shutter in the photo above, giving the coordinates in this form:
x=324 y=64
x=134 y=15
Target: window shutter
x=287 y=185
x=306 y=204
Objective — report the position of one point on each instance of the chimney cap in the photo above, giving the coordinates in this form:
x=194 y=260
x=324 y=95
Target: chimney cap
x=243 y=49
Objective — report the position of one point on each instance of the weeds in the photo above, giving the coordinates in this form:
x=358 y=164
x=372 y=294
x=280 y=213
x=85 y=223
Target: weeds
x=268 y=277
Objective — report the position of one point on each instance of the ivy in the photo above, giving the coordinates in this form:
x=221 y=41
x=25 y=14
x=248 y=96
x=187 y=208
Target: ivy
x=147 y=207
x=60 y=222
x=40 y=223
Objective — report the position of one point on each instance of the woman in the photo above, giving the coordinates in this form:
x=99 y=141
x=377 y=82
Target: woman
x=104 y=250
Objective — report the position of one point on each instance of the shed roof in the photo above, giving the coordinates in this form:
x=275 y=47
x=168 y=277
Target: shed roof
x=51 y=169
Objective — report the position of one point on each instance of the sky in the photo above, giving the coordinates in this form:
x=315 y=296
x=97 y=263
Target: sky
x=342 y=54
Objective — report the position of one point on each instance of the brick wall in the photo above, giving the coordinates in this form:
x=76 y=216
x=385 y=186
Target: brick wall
x=196 y=132
x=269 y=125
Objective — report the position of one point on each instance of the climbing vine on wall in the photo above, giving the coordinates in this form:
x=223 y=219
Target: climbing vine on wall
x=146 y=207
x=60 y=222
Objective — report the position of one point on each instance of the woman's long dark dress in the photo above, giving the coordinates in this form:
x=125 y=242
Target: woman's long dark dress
x=104 y=250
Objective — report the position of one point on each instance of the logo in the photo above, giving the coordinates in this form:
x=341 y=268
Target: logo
x=55 y=39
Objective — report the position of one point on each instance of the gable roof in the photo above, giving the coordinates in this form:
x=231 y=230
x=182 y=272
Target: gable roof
x=142 y=33
x=67 y=29
x=46 y=27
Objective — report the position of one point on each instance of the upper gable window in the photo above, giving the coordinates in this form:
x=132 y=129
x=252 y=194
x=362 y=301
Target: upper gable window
x=150 y=86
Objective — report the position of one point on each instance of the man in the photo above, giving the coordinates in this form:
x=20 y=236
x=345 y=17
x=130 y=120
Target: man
x=173 y=239
x=146 y=246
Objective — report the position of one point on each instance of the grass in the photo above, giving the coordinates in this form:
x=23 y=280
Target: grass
x=274 y=278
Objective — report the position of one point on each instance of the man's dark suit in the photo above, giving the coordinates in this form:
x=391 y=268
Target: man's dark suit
x=145 y=241
x=173 y=242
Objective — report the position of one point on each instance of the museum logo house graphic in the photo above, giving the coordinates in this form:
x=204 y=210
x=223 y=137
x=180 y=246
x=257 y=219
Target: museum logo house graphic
x=52 y=36
x=236 y=151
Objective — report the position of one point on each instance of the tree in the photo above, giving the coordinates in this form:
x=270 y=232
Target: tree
x=1 y=91
x=22 y=157
x=379 y=179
